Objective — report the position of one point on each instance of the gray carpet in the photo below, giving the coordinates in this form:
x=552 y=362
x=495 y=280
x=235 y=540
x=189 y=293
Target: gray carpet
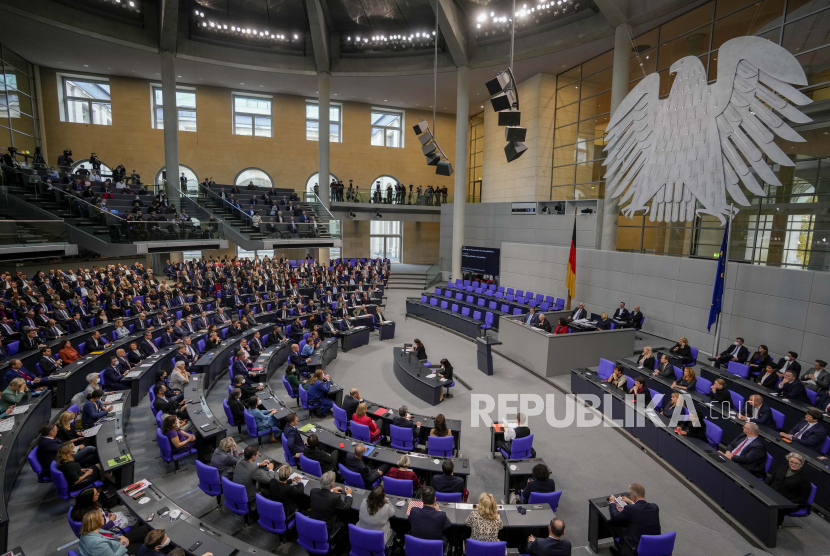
x=586 y=462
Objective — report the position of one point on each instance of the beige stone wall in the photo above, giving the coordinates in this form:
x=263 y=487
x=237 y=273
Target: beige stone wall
x=421 y=242
x=214 y=151
x=528 y=178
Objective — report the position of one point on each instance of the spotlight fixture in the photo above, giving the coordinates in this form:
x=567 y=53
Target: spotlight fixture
x=587 y=211
x=378 y=214
x=504 y=96
x=352 y=215
x=432 y=150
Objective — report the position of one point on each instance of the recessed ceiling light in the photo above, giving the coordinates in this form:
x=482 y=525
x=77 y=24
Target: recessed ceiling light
x=241 y=83
x=86 y=65
x=179 y=76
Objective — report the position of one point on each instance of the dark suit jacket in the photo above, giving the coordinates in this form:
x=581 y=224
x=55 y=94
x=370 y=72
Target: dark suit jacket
x=237 y=410
x=350 y=406
x=794 y=366
x=94 y=345
x=145 y=348
x=795 y=390
x=74 y=325
x=47 y=365
x=584 y=314
x=640 y=518
x=112 y=376
x=289 y=495
x=428 y=523
x=770 y=381
x=621 y=314
x=447 y=483
x=549 y=546
x=764 y=415
x=812 y=438
x=534 y=320
x=795 y=488
x=49 y=333
x=325 y=504
x=295 y=442
x=544 y=326
x=405 y=423
x=742 y=354
x=753 y=458
x=538 y=486
x=322 y=457
x=352 y=463
x=666 y=371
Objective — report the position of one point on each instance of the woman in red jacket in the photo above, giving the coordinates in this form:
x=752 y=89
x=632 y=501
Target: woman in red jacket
x=562 y=327
x=402 y=472
x=361 y=418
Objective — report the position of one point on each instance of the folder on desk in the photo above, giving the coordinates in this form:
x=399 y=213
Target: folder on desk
x=369 y=450
x=381 y=411
x=497 y=427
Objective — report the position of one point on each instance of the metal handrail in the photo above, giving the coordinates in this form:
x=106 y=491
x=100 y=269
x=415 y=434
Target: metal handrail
x=198 y=209
x=211 y=193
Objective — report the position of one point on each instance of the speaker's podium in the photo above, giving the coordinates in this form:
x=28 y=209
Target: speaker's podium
x=386 y=330
x=485 y=355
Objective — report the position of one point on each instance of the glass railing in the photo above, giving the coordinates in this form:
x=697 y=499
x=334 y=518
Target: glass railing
x=276 y=230
x=433 y=274
x=207 y=193
x=32 y=232
x=382 y=198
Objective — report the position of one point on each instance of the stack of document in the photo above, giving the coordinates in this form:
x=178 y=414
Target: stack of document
x=7 y=424
x=20 y=409
x=133 y=374
x=302 y=480
x=92 y=431
x=431 y=375
x=117 y=407
x=112 y=398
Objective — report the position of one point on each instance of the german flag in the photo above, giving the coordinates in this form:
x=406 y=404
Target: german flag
x=571 y=280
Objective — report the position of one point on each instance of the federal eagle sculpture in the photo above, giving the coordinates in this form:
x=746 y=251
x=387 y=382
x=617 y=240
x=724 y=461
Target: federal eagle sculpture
x=705 y=140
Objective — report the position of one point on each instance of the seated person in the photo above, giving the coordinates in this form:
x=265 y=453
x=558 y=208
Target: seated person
x=327 y=501
x=403 y=473
x=561 y=327
x=791 y=482
x=354 y=462
x=113 y=375
x=540 y=481
x=288 y=492
x=253 y=475
x=448 y=482
x=719 y=394
x=756 y=411
x=225 y=456
x=675 y=403
x=328 y=462
x=49 y=445
x=296 y=445
x=553 y=545
x=635 y=519
x=617 y=379
x=792 y=388
x=485 y=522
x=748 y=451
x=362 y=418
x=292 y=378
x=169 y=406
x=642 y=395
x=665 y=369
x=687 y=382
x=247 y=391
x=543 y=323
x=646 y=359
x=375 y=513
x=737 y=352
x=604 y=323
x=429 y=522
x=77 y=476
x=265 y=420
x=682 y=351
x=809 y=432
x=94 y=409
x=445 y=372
x=693 y=428
x=404 y=420
x=180 y=442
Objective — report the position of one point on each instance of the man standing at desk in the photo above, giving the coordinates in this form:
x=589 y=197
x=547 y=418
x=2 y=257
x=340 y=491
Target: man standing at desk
x=632 y=521
x=748 y=451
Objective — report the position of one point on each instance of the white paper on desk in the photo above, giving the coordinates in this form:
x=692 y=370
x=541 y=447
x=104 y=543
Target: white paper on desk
x=513 y=468
x=117 y=407
x=133 y=374
x=436 y=461
x=431 y=375
x=20 y=409
x=303 y=480
x=443 y=380
x=194 y=378
x=7 y=424
x=112 y=398
x=146 y=365
x=464 y=506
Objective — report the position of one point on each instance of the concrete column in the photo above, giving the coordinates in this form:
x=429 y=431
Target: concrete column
x=324 y=96
x=619 y=89
x=462 y=111
x=171 y=122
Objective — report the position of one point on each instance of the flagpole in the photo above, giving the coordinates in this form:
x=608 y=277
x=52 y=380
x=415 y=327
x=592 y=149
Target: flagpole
x=568 y=306
x=725 y=265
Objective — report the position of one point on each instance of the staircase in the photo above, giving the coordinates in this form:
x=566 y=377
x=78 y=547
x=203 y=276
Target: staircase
x=407 y=277
x=24 y=233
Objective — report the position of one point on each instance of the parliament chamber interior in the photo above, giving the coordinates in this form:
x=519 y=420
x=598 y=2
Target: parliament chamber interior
x=301 y=277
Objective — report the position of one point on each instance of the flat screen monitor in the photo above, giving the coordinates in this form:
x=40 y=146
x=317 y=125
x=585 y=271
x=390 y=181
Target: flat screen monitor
x=480 y=260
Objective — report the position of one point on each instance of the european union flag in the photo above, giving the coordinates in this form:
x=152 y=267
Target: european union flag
x=717 y=294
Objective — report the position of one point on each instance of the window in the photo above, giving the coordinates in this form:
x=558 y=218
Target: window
x=251 y=116
x=334 y=253
x=86 y=101
x=106 y=171
x=255 y=175
x=261 y=253
x=309 y=185
x=185 y=102
x=312 y=121
x=192 y=180
x=191 y=255
x=385 y=240
x=386 y=128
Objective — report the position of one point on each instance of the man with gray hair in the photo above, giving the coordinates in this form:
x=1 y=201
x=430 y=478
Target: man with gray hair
x=748 y=451
x=327 y=501
x=404 y=420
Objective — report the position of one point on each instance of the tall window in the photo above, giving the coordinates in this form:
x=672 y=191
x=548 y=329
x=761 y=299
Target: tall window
x=191 y=255
x=309 y=184
x=18 y=103
x=386 y=128
x=185 y=102
x=385 y=240
x=87 y=101
x=189 y=174
x=251 y=115
x=312 y=121
x=476 y=158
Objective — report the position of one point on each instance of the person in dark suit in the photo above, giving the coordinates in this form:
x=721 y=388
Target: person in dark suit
x=30 y=341
x=823 y=402
x=147 y=346
x=543 y=323
x=636 y=317
x=428 y=522
x=351 y=402
x=540 y=481
x=635 y=519
x=96 y=343
x=792 y=388
x=531 y=318
x=447 y=482
x=419 y=349
x=113 y=376
x=768 y=377
x=354 y=462
x=404 y=420
x=236 y=406
x=296 y=358
x=296 y=446
x=748 y=451
x=665 y=369
x=287 y=492
x=788 y=362
x=791 y=482
x=327 y=501
x=603 y=322
x=169 y=337
x=51 y=331
x=48 y=363
x=76 y=324
x=756 y=411
x=579 y=313
x=808 y=432
x=622 y=313
x=328 y=462
x=553 y=545
x=736 y=352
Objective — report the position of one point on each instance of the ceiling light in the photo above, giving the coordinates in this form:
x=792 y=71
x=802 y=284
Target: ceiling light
x=296 y=36
x=197 y=12
x=478 y=25
x=482 y=17
x=86 y=65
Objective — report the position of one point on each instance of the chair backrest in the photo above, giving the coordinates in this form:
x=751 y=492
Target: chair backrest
x=236 y=497
x=440 y=446
x=488 y=318
x=656 y=398
x=550 y=498
x=401 y=438
x=516 y=311
x=289 y=457
x=164 y=446
x=365 y=542
x=288 y=388
x=703 y=385
x=341 y=418
x=209 y=480
x=420 y=547
x=606 y=369
x=477 y=315
x=714 y=434
x=812 y=395
x=459 y=296
x=693 y=352
x=454 y=308
x=492 y=305
x=825 y=446
x=271 y=515
x=481 y=302
x=465 y=311
x=739 y=369
x=424 y=297
x=629 y=382
x=449 y=496
x=59 y=480
x=444 y=304
x=312 y=534
x=433 y=302
x=778 y=417
x=361 y=432
x=656 y=545
x=678 y=372
x=310 y=466
x=768 y=463
x=74 y=525
x=737 y=400
x=351 y=478
x=228 y=413
x=303 y=397
x=468 y=299
x=520 y=448
x=43 y=475
x=483 y=548
x=13 y=347
x=398 y=487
